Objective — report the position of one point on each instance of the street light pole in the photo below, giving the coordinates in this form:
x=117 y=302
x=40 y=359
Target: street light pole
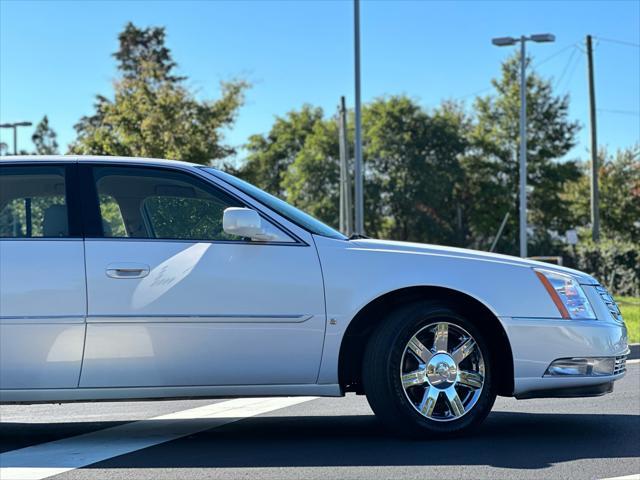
x=15 y=126
x=523 y=148
x=359 y=197
x=504 y=42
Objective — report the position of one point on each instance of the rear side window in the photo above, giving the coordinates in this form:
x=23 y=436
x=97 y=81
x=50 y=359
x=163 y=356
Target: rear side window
x=141 y=202
x=33 y=202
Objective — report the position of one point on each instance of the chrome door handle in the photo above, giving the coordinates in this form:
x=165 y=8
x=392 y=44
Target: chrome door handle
x=127 y=270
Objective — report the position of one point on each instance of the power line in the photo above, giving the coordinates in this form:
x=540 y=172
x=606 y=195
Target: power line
x=541 y=62
x=619 y=42
x=550 y=57
x=573 y=70
x=620 y=112
x=566 y=67
x=472 y=94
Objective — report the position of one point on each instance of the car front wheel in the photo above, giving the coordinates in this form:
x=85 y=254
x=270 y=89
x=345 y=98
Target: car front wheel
x=427 y=371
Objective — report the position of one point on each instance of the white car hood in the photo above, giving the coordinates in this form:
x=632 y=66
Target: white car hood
x=426 y=249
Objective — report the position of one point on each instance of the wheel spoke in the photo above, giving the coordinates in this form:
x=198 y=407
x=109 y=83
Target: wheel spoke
x=457 y=408
x=472 y=380
x=463 y=351
x=417 y=377
x=429 y=400
x=441 y=338
x=419 y=350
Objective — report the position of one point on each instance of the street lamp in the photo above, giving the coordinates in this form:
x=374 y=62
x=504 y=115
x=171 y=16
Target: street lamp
x=15 y=132
x=506 y=42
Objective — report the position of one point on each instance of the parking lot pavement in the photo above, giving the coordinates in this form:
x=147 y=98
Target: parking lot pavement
x=321 y=438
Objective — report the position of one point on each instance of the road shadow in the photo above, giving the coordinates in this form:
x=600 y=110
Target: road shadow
x=505 y=440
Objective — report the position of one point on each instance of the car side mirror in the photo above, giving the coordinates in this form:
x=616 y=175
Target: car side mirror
x=243 y=222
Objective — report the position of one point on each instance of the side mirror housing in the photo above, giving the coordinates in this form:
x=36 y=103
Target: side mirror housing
x=243 y=222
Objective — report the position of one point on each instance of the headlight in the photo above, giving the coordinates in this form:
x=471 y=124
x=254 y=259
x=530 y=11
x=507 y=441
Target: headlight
x=567 y=294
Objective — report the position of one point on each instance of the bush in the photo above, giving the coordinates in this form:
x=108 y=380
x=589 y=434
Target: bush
x=615 y=263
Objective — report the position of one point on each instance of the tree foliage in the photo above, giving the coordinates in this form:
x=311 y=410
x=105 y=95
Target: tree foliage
x=44 y=138
x=619 y=182
x=153 y=113
x=491 y=165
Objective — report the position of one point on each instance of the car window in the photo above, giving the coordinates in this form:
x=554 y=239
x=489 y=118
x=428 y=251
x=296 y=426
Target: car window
x=33 y=202
x=153 y=203
x=112 y=221
x=289 y=212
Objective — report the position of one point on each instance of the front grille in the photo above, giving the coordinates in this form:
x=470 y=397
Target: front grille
x=620 y=365
x=611 y=304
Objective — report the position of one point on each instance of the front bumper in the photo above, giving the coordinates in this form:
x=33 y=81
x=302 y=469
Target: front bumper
x=537 y=342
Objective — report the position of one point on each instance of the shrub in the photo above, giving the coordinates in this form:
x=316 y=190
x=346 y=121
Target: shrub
x=615 y=263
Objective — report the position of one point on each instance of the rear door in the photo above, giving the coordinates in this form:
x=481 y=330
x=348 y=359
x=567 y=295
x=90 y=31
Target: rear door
x=175 y=301
x=42 y=284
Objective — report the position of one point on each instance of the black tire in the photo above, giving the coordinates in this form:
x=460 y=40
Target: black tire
x=381 y=372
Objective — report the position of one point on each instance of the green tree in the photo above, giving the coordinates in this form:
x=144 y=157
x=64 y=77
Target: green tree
x=411 y=167
x=412 y=162
x=619 y=181
x=491 y=166
x=312 y=180
x=45 y=138
x=153 y=113
x=271 y=155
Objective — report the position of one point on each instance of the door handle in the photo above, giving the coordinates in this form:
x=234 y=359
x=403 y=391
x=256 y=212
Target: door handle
x=127 y=270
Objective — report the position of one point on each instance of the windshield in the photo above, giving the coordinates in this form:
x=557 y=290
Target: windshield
x=289 y=212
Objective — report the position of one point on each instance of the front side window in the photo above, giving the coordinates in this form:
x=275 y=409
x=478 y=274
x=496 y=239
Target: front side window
x=142 y=202
x=33 y=202
x=289 y=212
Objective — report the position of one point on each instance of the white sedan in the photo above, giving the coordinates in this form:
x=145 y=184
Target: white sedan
x=125 y=278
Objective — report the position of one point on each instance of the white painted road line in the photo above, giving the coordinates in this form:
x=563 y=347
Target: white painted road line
x=633 y=362
x=635 y=476
x=47 y=459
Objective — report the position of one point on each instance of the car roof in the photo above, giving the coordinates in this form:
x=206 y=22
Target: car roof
x=94 y=159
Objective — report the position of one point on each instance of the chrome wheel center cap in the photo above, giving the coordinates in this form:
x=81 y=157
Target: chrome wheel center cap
x=442 y=371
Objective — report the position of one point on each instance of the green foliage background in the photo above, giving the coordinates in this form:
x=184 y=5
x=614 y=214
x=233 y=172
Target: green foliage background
x=446 y=175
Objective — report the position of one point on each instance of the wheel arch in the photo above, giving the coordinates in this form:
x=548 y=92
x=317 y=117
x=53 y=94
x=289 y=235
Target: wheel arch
x=372 y=314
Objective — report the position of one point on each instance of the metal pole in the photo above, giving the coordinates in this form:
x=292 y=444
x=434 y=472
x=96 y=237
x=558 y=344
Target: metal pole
x=346 y=201
x=15 y=140
x=523 y=148
x=499 y=234
x=595 y=205
x=359 y=200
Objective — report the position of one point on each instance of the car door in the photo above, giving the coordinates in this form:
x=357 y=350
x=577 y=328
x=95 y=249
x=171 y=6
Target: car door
x=42 y=279
x=175 y=301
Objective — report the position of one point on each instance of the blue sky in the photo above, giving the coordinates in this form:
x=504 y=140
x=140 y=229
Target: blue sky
x=55 y=55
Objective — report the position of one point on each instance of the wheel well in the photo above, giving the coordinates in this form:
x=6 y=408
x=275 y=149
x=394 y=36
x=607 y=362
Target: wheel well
x=367 y=320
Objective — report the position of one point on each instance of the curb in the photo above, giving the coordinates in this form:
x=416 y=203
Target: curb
x=635 y=351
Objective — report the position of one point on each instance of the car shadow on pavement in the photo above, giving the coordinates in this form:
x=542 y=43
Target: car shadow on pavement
x=506 y=439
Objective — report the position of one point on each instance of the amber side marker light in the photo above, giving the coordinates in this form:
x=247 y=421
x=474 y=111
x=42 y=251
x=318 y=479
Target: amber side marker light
x=554 y=295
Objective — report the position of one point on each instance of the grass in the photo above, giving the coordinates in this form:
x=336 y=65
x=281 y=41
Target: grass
x=630 y=307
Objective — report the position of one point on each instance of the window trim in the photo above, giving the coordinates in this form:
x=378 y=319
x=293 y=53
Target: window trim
x=92 y=218
x=72 y=199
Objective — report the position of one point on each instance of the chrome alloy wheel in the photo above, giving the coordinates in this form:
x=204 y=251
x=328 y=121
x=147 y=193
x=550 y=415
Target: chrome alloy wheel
x=442 y=371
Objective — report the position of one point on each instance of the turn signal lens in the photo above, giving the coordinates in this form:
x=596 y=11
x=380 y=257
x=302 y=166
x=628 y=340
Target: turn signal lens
x=567 y=294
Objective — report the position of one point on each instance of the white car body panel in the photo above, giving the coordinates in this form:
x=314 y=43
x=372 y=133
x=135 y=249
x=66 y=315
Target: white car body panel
x=42 y=312
x=227 y=319
x=206 y=314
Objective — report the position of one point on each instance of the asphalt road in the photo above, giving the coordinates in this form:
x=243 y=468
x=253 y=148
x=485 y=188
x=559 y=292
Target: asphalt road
x=337 y=438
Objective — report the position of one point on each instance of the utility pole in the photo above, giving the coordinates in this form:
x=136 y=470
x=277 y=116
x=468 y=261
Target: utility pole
x=359 y=200
x=595 y=194
x=346 y=206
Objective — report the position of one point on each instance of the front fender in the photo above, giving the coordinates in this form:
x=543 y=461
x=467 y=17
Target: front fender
x=355 y=276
